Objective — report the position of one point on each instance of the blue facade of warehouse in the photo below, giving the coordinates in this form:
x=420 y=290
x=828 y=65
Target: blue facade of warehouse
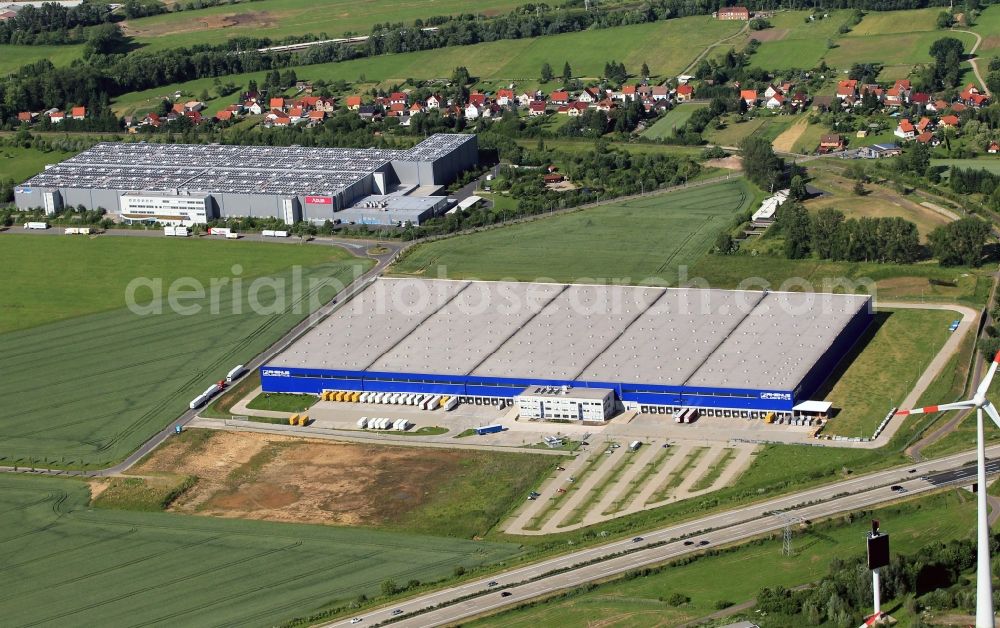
x=283 y=379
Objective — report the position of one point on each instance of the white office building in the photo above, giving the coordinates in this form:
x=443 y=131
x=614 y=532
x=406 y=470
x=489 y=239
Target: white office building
x=566 y=403
x=166 y=209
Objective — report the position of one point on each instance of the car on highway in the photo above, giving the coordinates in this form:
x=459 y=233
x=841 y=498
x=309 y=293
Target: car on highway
x=506 y=594
x=637 y=539
x=398 y=611
x=702 y=543
x=912 y=471
x=689 y=542
x=560 y=490
x=492 y=583
x=356 y=620
x=560 y=468
x=896 y=488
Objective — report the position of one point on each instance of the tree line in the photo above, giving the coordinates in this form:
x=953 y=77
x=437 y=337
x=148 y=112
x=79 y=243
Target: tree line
x=827 y=234
x=51 y=23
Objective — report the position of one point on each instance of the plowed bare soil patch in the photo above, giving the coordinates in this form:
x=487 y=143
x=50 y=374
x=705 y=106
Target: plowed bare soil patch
x=262 y=476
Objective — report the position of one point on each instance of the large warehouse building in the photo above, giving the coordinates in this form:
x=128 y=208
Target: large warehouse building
x=657 y=349
x=190 y=183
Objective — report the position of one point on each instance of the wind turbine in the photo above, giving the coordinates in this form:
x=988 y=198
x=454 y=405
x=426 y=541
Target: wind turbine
x=984 y=588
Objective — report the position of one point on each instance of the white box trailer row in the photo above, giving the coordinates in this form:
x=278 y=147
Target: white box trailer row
x=399 y=425
x=36 y=225
x=77 y=230
x=272 y=233
x=421 y=401
x=686 y=415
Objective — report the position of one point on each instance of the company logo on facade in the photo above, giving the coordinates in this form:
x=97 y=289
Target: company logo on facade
x=274 y=373
x=776 y=396
x=22 y=190
x=319 y=200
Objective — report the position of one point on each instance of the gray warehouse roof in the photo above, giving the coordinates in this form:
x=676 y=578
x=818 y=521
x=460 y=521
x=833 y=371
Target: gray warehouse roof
x=593 y=333
x=280 y=170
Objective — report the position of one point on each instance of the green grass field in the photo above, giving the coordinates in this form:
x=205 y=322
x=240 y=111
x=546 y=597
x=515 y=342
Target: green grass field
x=23 y=163
x=95 y=380
x=892 y=281
x=280 y=18
x=766 y=126
x=68 y=564
x=878 y=375
x=894 y=49
x=641 y=601
x=673 y=120
x=638 y=240
x=666 y=46
x=13 y=57
x=988 y=25
x=892 y=22
x=986 y=163
x=282 y=402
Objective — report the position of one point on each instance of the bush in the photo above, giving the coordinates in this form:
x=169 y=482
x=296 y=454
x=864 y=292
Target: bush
x=721 y=604
x=678 y=599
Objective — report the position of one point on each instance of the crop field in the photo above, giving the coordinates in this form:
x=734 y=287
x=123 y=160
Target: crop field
x=71 y=565
x=636 y=240
x=881 y=371
x=641 y=602
x=674 y=119
x=666 y=46
x=453 y=493
x=280 y=18
x=87 y=380
x=23 y=163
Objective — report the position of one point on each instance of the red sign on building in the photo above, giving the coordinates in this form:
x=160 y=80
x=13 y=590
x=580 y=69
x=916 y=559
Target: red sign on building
x=319 y=200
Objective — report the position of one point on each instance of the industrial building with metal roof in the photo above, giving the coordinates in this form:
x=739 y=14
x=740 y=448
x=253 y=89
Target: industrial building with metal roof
x=667 y=347
x=289 y=182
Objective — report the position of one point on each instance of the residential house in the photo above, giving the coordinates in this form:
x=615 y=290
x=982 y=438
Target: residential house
x=925 y=124
x=224 y=116
x=928 y=138
x=957 y=107
x=894 y=97
x=177 y=107
x=416 y=108
x=397 y=98
x=771 y=91
x=627 y=93
x=576 y=109
x=685 y=93
x=733 y=13
x=277 y=117
x=920 y=98
x=993 y=148
x=295 y=114
x=7 y=15
x=524 y=99
x=152 y=120
x=905 y=130
x=831 y=142
x=559 y=97
x=536 y=108
x=799 y=100
x=353 y=102
x=949 y=122
x=662 y=92
x=277 y=103
x=972 y=97
x=396 y=110
x=317 y=116
x=749 y=96
x=55 y=117
x=847 y=88
x=194 y=105
x=433 y=102
x=367 y=112
x=78 y=113
x=255 y=108
x=605 y=105
x=471 y=111
x=505 y=97
x=644 y=91
x=590 y=95
x=26 y=116
x=478 y=99
x=776 y=101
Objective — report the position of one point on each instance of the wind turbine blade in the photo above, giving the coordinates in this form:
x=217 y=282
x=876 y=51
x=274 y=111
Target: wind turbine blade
x=985 y=384
x=992 y=411
x=958 y=405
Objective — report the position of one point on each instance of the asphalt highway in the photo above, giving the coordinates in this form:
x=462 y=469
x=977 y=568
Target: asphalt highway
x=531 y=581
